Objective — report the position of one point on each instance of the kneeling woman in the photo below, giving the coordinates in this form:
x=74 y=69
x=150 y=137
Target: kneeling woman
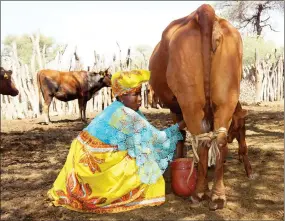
x=116 y=163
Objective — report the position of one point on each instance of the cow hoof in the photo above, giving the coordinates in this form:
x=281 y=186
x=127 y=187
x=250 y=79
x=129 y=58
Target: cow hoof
x=217 y=204
x=253 y=176
x=198 y=201
x=195 y=202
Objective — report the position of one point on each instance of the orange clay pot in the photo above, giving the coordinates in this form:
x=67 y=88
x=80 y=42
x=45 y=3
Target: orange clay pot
x=181 y=182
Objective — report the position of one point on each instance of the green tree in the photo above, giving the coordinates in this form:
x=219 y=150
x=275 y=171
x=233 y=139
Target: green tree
x=265 y=48
x=251 y=15
x=141 y=56
x=25 y=47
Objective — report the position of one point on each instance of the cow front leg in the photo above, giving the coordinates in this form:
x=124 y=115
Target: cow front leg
x=243 y=151
x=149 y=100
x=243 y=154
x=157 y=103
x=46 y=105
x=84 y=111
x=80 y=105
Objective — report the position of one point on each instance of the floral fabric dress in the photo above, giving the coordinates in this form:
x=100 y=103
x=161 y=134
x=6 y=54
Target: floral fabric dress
x=116 y=164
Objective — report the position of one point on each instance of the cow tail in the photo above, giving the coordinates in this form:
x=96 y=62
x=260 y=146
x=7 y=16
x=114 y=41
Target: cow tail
x=206 y=18
x=39 y=92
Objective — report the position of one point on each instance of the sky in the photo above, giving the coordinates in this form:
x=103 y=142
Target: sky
x=98 y=25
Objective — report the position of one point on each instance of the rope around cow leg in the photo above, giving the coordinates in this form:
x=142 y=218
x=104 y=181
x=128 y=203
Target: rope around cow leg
x=213 y=150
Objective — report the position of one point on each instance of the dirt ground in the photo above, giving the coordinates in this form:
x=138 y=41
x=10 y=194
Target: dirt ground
x=32 y=155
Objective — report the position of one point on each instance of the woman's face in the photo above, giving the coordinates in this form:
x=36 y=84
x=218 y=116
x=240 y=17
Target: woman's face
x=132 y=100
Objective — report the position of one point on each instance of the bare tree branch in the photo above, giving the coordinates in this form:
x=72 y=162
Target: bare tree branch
x=251 y=14
x=269 y=27
x=243 y=26
x=266 y=19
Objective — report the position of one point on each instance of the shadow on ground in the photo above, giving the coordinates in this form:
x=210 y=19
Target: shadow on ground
x=33 y=154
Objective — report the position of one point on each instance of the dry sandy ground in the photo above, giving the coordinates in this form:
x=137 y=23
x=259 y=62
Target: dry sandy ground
x=32 y=155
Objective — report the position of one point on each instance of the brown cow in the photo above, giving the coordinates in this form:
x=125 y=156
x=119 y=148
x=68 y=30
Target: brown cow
x=237 y=131
x=7 y=86
x=67 y=86
x=152 y=99
x=196 y=70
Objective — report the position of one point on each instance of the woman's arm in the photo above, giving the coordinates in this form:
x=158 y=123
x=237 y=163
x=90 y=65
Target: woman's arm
x=181 y=125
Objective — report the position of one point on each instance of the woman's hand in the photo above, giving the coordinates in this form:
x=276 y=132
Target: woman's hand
x=181 y=125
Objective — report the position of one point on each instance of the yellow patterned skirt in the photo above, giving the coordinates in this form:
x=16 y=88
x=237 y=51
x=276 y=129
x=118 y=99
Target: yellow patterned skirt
x=98 y=178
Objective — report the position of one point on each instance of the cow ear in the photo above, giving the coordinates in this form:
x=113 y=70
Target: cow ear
x=242 y=113
x=106 y=72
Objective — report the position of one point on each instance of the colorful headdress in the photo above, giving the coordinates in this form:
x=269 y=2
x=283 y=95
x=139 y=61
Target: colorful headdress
x=124 y=82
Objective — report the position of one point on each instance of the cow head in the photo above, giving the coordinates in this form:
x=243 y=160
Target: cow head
x=7 y=86
x=105 y=77
x=237 y=127
x=98 y=80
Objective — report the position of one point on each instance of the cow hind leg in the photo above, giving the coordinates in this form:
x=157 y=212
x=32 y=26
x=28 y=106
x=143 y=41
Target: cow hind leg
x=202 y=191
x=222 y=117
x=218 y=197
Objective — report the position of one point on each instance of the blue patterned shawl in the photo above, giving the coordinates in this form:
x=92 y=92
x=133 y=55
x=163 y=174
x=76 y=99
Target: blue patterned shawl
x=153 y=149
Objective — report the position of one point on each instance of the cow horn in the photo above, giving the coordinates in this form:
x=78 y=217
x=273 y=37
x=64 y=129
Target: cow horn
x=106 y=71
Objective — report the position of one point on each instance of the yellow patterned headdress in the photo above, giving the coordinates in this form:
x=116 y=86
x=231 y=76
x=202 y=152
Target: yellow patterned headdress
x=124 y=82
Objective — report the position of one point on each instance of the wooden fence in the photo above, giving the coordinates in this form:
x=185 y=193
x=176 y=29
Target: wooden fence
x=266 y=75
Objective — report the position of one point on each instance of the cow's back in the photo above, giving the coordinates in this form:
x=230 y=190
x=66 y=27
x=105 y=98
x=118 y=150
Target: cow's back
x=64 y=86
x=72 y=78
x=62 y=76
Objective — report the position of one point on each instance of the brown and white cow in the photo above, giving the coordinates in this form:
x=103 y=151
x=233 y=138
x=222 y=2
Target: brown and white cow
x=7 y=86
x=196 y=70
x=67 y=86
